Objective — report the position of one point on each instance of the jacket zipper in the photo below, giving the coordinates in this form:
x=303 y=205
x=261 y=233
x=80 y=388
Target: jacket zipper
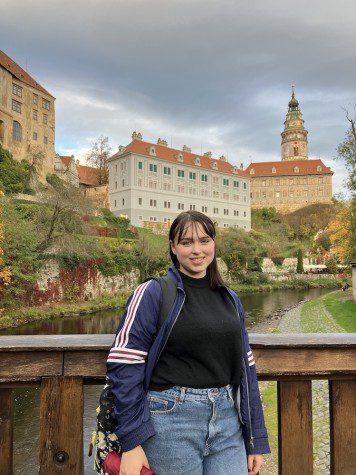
x=170 y=330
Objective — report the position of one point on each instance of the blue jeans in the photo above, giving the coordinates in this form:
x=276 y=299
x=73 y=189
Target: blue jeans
x=198 y=432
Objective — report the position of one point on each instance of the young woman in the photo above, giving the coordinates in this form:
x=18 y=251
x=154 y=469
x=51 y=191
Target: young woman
x=186 y=395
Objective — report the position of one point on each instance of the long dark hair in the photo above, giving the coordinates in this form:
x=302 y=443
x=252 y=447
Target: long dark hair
x=193 y=218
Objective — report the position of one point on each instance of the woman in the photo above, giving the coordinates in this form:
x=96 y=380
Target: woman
x=186 y=394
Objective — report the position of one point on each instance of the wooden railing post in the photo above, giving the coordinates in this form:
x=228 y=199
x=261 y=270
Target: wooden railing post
x=342 y=427
x=295 y=434
x=6 y=431
x=61 y=426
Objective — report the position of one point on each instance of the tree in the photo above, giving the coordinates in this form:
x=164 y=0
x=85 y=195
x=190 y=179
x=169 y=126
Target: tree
x=98 y=157
x=342 y=235
x=346 y=151
x=300 y=268
x=151 y=258
x=5 y=273
x=15 y=177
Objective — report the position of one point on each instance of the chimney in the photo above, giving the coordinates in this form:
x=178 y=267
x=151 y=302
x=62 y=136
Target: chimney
x=136 y=136
x=241 y=166
x=162 y=142
x=207 y=154
x=121 y=148
x=187 y=149
x=223 y=158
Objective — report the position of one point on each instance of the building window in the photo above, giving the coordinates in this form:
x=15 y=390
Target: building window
x=166 y=170
x=123 y=201
x=225 y=225
x=181 y=173
x=320 y=180
x=16 y=131
x=153 y=168
x=45 y=140
x=123 y=182
x=140 y=201
x=152 y=151
x=252 y=171
x=318 y=168
x=167 y=186
x=245 y=186
x=192 y=207
x=16 y=106
x=152 y=184
x=139 y=182
x=192 y=190
x=204 y=209
x=115 y=203
x=225 y=196
x=35 y=99
x=296 y=170
x=34 y=135
x=236 y=212
x=215 y=180
x=263 y=182
x=277 y=194
x=226 y=212
x=140 y=218
x=34 y=114
x=140 y=165
x=216 y=194
x=153 y=203
x=46 y=104
x=167 y=204
x=181 y=189
x=216 y=210
x=236 y=184
x=225 y=182
x=115 y=185
x=192 y=175
x=274 y=170
x=244 y=214
x=17 y=90
x=181 y=206
x=204 y=178
x=295 y=150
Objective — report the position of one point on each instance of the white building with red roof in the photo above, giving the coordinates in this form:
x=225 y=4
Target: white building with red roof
x=295 y=181
x=153 y=183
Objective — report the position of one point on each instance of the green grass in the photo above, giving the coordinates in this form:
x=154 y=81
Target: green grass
x=328 y=313
x=269 y=401
x=286 y=284
x=23 y=315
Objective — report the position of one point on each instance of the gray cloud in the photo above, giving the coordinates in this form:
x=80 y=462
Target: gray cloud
x=214 y=74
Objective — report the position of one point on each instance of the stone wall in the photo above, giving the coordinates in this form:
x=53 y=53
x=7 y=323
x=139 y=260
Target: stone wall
x=82 y=283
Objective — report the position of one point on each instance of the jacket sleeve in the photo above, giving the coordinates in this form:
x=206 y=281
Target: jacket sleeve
x=260 y=443
x=127 y=362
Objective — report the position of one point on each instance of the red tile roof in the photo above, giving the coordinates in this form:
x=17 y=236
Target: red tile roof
x=87 y=175
x=306 y=167
x=19 y=73
x=170 y=154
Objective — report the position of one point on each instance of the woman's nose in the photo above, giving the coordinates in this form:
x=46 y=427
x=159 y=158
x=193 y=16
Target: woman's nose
x=196 y=247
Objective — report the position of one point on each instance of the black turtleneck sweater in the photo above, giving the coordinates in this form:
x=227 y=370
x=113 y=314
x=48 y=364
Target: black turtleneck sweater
x=204 y=347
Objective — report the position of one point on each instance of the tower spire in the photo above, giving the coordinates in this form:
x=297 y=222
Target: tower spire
x=294 y=136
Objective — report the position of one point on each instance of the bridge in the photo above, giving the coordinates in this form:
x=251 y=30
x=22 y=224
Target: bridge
x=63 y=364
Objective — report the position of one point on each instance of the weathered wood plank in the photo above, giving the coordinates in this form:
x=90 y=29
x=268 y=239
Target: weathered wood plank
x=104 y=342
x=295 y=436
x=85 y=363
x=342 y=427
x=30 y=365
x=61 y=426
x=297 y=361
x=6 y=431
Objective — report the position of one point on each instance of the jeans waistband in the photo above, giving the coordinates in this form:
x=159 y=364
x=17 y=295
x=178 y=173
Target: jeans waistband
x=192 y=393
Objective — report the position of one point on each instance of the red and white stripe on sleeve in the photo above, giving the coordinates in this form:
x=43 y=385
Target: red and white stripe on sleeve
x=251 y=359
x=119 y=353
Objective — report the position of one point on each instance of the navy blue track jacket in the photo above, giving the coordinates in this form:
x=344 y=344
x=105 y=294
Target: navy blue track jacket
x=136 y=350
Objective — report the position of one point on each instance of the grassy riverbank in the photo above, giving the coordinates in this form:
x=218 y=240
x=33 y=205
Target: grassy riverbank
x=23 y=315
x=326 y=313
x=294 y=284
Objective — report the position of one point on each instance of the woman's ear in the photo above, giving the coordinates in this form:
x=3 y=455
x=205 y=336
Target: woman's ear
x=172 y=246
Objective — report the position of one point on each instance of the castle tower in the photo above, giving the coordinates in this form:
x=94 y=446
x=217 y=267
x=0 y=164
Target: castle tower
x=294 y=136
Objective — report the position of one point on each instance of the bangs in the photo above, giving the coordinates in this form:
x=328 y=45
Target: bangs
x=190 y=221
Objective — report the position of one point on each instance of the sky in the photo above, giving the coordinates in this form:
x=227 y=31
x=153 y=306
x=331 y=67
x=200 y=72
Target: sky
x=214 y=75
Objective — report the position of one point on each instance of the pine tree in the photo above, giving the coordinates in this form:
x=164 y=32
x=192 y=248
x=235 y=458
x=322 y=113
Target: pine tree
x=300 y=268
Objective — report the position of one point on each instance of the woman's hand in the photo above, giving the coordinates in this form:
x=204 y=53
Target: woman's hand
x=254 y=463
x=133 y=461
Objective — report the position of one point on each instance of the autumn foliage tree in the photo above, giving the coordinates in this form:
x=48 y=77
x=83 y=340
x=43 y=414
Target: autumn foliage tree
x=5 y=273
x=98 y=157
x=341 y=235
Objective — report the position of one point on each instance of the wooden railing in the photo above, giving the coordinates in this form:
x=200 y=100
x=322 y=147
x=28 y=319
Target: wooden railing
x=63 y=363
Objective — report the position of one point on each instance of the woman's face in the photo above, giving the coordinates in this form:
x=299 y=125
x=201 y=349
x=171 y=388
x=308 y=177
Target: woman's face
x=195 y=251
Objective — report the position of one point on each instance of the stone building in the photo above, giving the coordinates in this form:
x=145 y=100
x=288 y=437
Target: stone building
x=295 y=181
x=153 y=183
x=27 y=117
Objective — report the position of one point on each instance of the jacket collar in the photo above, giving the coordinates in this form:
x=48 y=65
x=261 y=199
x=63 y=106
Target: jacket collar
x=173 y=271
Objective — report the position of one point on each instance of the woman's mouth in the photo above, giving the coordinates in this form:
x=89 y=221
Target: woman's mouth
x=198 y=260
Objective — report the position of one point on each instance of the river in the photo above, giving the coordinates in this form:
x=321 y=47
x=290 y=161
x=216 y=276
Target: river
x=26 y=427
